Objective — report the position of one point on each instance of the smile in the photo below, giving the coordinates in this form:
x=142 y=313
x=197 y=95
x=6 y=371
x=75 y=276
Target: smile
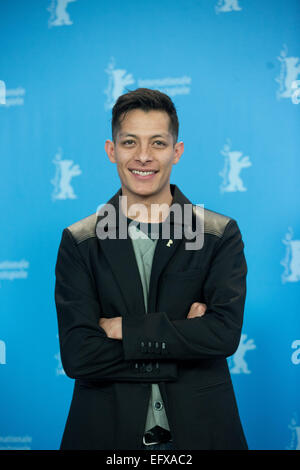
x=143 y=174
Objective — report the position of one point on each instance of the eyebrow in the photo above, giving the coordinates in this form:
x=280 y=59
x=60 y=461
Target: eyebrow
x=125 y=134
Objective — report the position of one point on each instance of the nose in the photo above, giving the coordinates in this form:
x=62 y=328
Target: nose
x=143 y=155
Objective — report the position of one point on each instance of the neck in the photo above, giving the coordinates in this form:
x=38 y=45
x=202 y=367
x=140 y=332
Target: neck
x=147 y=209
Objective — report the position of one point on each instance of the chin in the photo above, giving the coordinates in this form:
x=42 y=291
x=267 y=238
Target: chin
x=144 y=192
x=140 y=190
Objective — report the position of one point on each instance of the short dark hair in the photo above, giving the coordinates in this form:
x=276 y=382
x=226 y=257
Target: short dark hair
x=146 y=100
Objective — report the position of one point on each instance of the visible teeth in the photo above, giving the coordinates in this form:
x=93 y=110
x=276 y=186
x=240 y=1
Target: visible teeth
x=142 y=173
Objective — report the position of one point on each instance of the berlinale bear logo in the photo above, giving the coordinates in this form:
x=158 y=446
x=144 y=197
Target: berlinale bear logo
x=2 y=92
x=65 y=171
x=288 y=76
x=2 y=352
x=234 y=163
x=224 y=6
x=291 y=261
x=237 y=362
x=59 y=15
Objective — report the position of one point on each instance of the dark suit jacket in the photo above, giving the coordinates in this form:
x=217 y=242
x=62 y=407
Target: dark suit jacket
x=186 y=357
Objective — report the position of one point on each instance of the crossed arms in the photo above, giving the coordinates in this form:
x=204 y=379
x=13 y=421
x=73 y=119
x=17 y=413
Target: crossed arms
x=89 y=347
x=113 y=326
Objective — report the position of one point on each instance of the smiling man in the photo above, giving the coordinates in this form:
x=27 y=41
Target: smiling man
x=145 y=324
x=145 y=150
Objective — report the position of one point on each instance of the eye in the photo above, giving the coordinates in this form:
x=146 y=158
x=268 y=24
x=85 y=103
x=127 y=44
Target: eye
x=159 y=143
x=128 y=142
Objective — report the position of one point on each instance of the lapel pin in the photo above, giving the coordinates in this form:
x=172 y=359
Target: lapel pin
x=169 y=243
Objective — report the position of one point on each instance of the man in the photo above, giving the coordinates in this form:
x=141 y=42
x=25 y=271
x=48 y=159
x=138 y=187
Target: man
x=147 y=318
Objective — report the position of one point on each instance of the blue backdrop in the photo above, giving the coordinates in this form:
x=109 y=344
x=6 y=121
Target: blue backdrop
x=232 y=68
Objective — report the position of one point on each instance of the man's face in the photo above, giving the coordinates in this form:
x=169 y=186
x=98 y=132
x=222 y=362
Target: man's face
x=145 y=152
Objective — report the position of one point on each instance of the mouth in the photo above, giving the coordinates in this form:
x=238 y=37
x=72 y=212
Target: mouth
x=143 y=174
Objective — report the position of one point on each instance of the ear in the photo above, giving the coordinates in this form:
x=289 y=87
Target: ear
x=110 y=150
x=178 y=151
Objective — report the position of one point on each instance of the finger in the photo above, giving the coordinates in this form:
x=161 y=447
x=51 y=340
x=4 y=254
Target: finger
x=197 y=310
x=196 y=315
x=103 y=323
x=196 y=306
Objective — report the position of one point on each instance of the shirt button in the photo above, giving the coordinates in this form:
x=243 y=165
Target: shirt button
x=158 y=405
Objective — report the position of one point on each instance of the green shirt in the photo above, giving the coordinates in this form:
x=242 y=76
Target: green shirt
x=144 y=248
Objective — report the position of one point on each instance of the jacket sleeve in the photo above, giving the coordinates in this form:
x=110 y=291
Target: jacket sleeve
x=217 y=333
x=86 y=351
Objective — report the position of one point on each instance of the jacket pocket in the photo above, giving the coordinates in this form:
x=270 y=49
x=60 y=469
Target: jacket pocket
x=221 y=384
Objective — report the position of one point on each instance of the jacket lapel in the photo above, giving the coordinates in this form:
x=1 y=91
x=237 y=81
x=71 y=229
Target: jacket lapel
x=166 y=248
x=120 y=255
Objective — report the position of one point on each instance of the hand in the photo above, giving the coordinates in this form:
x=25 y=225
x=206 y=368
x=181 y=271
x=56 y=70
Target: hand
x=197 y=309
x=112 y=327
